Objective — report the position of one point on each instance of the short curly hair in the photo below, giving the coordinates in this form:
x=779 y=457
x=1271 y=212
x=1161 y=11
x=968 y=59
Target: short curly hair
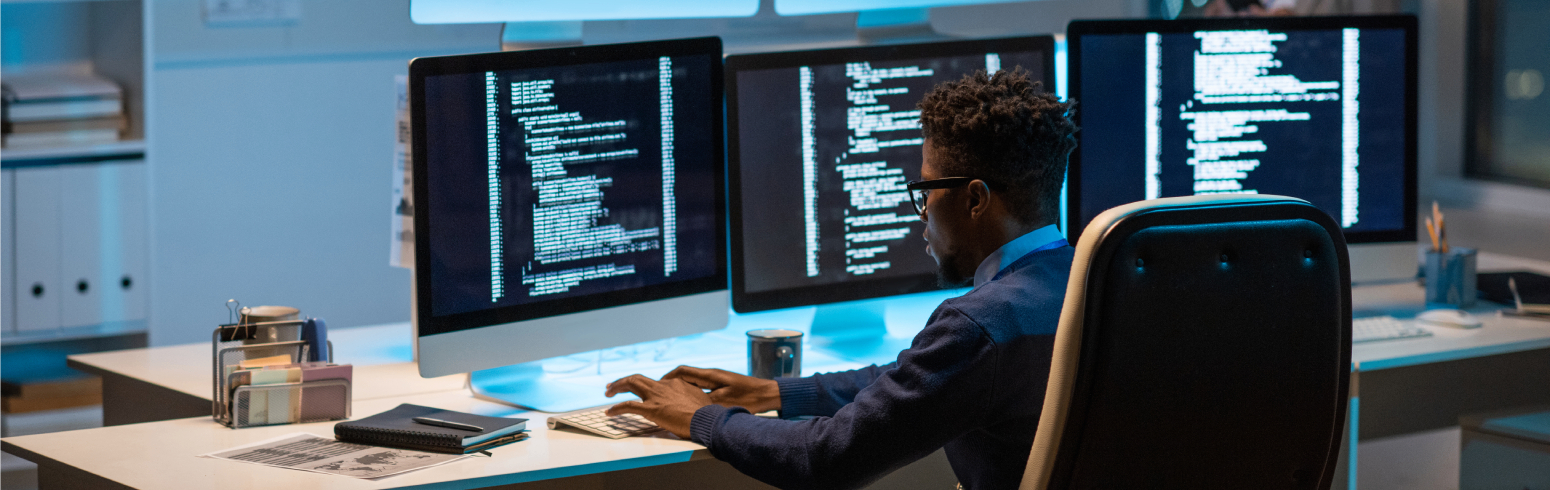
x=1006 y=130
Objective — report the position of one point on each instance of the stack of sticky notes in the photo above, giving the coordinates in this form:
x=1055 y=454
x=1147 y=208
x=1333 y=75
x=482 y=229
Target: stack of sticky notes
x=279 y=406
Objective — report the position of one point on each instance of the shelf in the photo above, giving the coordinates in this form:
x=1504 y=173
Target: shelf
x=121 y=150
x=12 y=2
x=108 y=329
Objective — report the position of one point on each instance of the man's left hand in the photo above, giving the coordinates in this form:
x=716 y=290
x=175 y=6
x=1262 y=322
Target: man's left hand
x=670 y=404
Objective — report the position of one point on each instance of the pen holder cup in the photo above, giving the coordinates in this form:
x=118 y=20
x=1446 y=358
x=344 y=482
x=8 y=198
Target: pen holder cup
x=1450 y=278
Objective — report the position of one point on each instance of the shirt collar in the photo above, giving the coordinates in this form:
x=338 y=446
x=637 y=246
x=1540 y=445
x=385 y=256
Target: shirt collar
x=1013 y=251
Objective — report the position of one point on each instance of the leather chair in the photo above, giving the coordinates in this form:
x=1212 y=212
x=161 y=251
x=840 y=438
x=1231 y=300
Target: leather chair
x=1205 y=342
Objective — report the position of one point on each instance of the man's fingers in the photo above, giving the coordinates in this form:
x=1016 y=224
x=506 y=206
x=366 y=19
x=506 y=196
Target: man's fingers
x=695 y=376
x=679 y=372
x=637 y=408
x=633 y=383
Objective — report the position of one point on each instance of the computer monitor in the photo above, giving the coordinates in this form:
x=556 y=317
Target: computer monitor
x=567 y=200
x=1322 y=109
x=821 y=146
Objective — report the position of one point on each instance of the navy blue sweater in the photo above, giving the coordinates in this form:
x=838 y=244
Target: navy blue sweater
x=972 y=381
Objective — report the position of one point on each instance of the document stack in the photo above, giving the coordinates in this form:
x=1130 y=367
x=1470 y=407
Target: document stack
x=58 y=109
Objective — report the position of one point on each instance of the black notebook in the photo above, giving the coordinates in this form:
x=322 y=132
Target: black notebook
x=397 y=428
x=1533 y=288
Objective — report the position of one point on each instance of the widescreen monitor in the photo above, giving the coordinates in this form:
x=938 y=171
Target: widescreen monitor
x=567 y=200
x=1322 y=109
x=821 y=144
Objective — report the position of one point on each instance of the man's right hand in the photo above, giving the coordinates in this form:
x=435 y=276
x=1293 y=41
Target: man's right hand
x=731 y=389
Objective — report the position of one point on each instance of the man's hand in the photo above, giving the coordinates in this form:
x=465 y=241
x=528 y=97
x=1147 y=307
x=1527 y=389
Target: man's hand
x=669 y=403
x=732 y=389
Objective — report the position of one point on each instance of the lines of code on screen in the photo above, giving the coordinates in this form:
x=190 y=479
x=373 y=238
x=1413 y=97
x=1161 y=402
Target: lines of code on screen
x=825 y=152
x=1313 y=114
x=586 y=180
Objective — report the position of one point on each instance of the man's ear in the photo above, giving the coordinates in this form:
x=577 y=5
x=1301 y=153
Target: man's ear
x=979 y=198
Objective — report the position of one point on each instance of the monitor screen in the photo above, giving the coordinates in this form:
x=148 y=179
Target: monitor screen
x=560 y=181
x=821 y=146
x=1321 y=109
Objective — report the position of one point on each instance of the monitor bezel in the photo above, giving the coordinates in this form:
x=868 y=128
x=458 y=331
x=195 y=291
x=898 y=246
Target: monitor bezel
x=419 y=68
x=744 y=301
x=1076 y=29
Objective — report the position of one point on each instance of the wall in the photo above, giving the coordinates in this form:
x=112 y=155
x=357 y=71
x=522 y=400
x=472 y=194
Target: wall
x=271 y=152
x=271 y=144
x=1444 y=30
x=29 y=35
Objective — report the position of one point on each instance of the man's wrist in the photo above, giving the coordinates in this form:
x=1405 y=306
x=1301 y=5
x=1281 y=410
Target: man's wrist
x=771 y=395
x=798 y=396
x=702 y=425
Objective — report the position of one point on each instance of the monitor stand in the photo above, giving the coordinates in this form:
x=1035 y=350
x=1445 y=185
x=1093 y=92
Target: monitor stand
x=524 y=386
x=852 y=330
x=578 y=381
x=567 y=383
x=858 y=330
x=1381 y=263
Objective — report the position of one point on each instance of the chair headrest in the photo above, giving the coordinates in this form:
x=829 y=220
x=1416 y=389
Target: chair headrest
x=1107 y=219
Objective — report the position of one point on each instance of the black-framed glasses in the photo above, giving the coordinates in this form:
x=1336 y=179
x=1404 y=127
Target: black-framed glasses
x=919 y=189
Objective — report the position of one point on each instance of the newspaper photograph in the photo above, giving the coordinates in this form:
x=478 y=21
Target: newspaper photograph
x=307 y=452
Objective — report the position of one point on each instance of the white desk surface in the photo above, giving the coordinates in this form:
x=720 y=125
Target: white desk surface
x=1498 y=335
x=164 y=454
x=554 y=454
x=381 y=355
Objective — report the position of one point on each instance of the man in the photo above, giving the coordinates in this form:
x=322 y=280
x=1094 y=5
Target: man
x=973 y=380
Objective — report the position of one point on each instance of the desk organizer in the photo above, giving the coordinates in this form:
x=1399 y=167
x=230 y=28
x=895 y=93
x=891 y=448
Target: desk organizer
x=270 y=404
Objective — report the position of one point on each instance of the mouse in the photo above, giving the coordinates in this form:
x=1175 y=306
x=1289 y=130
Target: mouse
x=1448 y=318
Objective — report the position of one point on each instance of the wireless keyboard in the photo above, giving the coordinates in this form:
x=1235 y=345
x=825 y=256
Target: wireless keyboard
x=594 y=421
x=1384 y=328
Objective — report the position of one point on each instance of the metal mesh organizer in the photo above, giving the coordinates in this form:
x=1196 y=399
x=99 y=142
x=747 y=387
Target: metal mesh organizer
x=255 y=405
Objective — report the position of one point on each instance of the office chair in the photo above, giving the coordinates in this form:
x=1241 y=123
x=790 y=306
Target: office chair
x=1205 y=342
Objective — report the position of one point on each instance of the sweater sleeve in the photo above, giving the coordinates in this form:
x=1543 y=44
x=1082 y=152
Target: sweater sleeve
x=824 y=394
x=936 y=392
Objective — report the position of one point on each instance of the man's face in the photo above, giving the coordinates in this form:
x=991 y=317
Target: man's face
x=947 y=220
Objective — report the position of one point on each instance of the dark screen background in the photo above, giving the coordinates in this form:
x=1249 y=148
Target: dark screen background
x=458 y=204
x=1304 y=160
x=770 y=163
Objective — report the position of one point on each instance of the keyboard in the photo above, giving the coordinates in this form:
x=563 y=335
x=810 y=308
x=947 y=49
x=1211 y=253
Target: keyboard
x=594 y=421
x=1384 y=328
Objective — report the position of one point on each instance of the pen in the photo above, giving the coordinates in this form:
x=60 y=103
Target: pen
x=447 y=424
x=1512 y=285
x=1440 y=235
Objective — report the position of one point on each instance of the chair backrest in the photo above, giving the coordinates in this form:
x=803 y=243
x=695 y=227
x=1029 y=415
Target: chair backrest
x=1205 y=342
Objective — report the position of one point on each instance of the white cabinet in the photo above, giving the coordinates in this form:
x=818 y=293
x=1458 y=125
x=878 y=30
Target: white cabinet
x=37 y=250
x=7 y=258
x=102 y=244
x=79 y=247
x=75 y=236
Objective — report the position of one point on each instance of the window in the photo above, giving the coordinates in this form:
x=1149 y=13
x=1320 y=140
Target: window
x=1508 y=119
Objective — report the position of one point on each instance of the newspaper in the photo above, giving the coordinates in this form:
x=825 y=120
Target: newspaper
x=401 y=253
x=307 y=452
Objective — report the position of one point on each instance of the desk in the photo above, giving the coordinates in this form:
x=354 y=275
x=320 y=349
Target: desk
x=163 y=383
x=97 y=458
x=1396 y=377
x=1414 y=385
x=139 y=455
